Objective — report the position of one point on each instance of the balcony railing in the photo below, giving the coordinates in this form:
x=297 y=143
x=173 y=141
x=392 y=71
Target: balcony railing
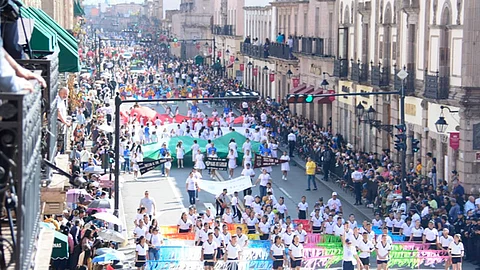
x=340 y=68
x=380 y=76
x=282 y=51
x=253 y=50
x=359 y=72
x=223 y=30
x=20 y=144
x=408 y=84
x=310 y=46
x=436 y=87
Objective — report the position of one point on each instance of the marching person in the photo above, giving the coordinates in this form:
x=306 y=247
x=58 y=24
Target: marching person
x=456 y=252
x=263 y=179
x=221 y=202
x=184 y=225
x=295 y=250
x=180 y=154
x=191 y=186
x=350 y=257
x=232 y=163
x=141 y=252
x=209 y=252
x=248 y=171
x=285 y=166
x=277 y=253
x=365 y=246
x=292 y=139
x=383 y=251
x=232 y=253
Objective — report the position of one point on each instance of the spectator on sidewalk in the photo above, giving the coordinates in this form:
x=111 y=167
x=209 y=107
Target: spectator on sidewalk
x=310 y=170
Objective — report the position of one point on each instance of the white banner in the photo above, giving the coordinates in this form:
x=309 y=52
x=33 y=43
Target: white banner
x=236 y=184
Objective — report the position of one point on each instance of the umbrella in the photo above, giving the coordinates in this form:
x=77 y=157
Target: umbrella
x=107 y=183
x=108 y=218
x=99 y=210
x=74 y=194
x=109 y=257
x=60 y=246
x=100 y=203
x=111 y=235
x=106 y=128
x=119 y=254
x=93 y=169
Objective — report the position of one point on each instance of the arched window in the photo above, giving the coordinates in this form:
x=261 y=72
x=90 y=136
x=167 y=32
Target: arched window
x=387 y=35
x=444 y=53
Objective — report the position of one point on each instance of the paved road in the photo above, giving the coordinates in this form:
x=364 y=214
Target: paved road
x=172 y=199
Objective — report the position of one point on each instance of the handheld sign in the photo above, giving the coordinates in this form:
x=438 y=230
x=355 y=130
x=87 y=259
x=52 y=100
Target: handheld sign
x=146 y=166
x=216 y=163
x=261 y=161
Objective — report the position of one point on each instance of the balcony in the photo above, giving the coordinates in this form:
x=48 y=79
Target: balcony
x=20 y=142
x=408 y=84
x=436 y=87
x=359 y=73
x=251 y=50
x=340 y=68
x=223 y=30
x=310 y=46
x=380 y=76
x=281 y=51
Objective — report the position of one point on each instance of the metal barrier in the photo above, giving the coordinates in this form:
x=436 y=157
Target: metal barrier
x=20 y=139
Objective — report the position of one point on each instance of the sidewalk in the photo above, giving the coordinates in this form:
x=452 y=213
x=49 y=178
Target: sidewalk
x=333 y=186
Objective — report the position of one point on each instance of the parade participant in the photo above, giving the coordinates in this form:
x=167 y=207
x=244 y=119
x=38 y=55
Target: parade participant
x=199 y=164
x=191 y=186
x=168 y=164
x=444 y=244
x=252 y=222
x=141 y=253
x=295 y=251
x=287 y=236
x=221 y=202
x=263 y=179
x=417 y=232
x=350 y=257
x=232 y=253
x=155 y=241
x=281 y=208
x=227 y=217
x=430 y=235
x=456 y=252
x=209 y=252
x=194 y=148
x=232 y=162
x=248 y=171
x=365 y=246
x=264 y=228
x=285 y=166
x=247 y=158
x=383 y=252
x=277 y=253
x=184 y=224
x=149 y=204
x=406 y=230
x=302 y=208
x=180 y=154
x=301 y=233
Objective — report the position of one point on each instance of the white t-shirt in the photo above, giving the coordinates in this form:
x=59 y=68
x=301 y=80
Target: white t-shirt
x=456 y=249
x=287 y=238
x=264 y=227
x=142 y=250
x=445 y=242
x=248 y=200
x=281 y=208
x=233 y=252
x=140 y=231
x=334 y=204
x=277 y=250
x=155 y=239
x=190 y=183
x=382 y=251
x=338 y=230
x=264 y=178
x=242 y=240
x=329 y=227
x=430 y=234
x=301 y=235
x=297 y=251
x=417 y=232
x=148 y=204
x=316 y=221
x=348 y=254
x=209 y=248
x=365 y=248
x=184 y=225
x=407 y=230
x=302 y=206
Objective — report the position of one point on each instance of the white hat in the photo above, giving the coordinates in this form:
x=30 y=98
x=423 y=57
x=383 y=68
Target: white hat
x=334 y=193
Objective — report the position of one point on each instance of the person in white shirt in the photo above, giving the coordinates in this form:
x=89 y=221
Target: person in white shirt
x=406 y=229
x=397 y=223
x=377 y=221
x=444 y=240
x=385 y=232
x=338 y=229
x=295 y=250
x=195 y=147
x=430 y=235
x=365 y=246
x=302 y=208
x=140 y=230
x=287 y=236
x=281 y=208
x=235 y=210
x=277 y=253
x=227 y=217
x=141 y=252
x=248 y=199
x=383 y=251
x=262 y=180
x=219 y=239
x=456 y=252
x=155 y=241
x=352 y=222
x=301 y=233
x=264 y=228
x=209 y=252
x=184 y=224
x=285 y=166
x=329 y=225
x=292 y=139
x=334 y=203
x=248 y=171
x=316 y=222
x=232 y=252
x=149 y=204
x=350 y=257
x=416 y=232
x=191 y=185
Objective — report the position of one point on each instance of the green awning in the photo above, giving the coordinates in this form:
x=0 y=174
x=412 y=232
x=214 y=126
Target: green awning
x=54 y=25
x=60 y=246
x=77 y=9
x=43 y=38
x=68 y=59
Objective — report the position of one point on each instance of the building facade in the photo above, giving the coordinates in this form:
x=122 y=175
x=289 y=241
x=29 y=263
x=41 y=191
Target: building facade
x=433 y=41
x=60 y=10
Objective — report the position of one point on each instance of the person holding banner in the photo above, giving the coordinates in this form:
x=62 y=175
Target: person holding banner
x=180 y=153
x=277 y=253
x=285 y=166
x=209 y=252
x=456 y=252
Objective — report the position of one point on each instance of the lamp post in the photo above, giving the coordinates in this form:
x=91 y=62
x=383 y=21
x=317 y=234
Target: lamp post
x=250 y=66
x=441 y=124
x=265 y=72
x=403 y=75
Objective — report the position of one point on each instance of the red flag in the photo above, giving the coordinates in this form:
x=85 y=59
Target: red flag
x=272 y=77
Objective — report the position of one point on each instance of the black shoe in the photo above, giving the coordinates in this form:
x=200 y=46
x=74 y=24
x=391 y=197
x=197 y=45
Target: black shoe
x=307 y=189
x=355 y=204
x=315 y=189
x=360 y=204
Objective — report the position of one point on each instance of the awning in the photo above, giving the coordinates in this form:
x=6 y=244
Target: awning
x=77 y=9
x=68 y=55
x=298 y=89
x=307 y=90
x=43 y=38
x=60 y=246
x=325 y=100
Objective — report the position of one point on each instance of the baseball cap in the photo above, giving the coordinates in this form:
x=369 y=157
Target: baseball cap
x=348 y=241
x=334 y=193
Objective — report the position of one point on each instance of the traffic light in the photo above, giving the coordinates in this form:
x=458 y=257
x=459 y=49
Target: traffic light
x=401 y=128
x=300 y=98
x=175 y=39
x=415 y=146
x=400 y=144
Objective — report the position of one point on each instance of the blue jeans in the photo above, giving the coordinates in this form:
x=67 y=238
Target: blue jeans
x=191 y=196
x=126 y=164
x=263 y=191
x=311 y=178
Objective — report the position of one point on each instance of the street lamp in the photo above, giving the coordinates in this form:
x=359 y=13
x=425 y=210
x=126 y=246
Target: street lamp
x=359 y=110
x=402 y=74
x=265 y=68
x=441 y=124
x=289 y=74
x=371 y=114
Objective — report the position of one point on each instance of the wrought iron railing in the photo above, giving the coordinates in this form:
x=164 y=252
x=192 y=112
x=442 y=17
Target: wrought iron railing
x=251 y=50
x=223 y=30
x=436 y=87
x=340 y=68
x=282 y=51
x=20 y=161
x=380 y=76
x=359 y=73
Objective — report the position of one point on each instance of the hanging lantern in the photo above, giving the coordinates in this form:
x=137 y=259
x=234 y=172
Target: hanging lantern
x=272 y=77
x=242 y=67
